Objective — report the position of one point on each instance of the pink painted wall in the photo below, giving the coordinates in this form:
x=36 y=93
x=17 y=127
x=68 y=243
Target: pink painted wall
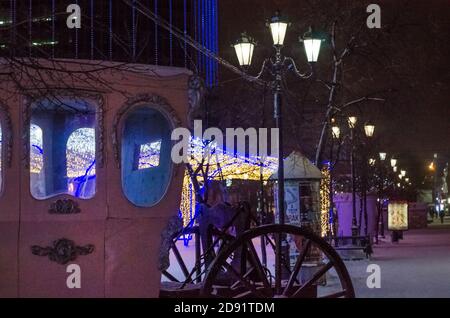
x=126 y=238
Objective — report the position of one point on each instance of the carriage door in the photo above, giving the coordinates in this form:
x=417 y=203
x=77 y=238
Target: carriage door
x=9 y=207
x=63 y=203
x=146 y=194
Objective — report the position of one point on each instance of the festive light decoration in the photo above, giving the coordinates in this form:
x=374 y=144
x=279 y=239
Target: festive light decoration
x=149 y=155
x=80 y=153
x=325 y=204
x=222 y=166
x=36 y=149
x=187 y=206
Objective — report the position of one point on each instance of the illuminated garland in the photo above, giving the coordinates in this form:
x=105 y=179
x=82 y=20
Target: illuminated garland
x=222 y=166
x=325 y=199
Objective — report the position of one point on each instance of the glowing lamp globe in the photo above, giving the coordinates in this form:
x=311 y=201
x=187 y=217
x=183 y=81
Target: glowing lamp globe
x=244 y=48
x=336 y=132
x=369 y=129
x=352 y=121
x=278 y=27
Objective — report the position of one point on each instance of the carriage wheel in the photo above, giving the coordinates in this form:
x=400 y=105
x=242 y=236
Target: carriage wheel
x=311 y=268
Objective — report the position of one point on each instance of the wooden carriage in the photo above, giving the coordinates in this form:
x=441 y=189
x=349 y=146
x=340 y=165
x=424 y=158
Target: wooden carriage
x=87 y=180
x=88 y=187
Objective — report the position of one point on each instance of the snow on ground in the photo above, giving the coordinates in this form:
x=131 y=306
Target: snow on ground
x=417 y=266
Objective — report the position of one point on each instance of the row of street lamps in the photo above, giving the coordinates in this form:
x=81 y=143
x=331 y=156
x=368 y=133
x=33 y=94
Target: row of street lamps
x=278 y=66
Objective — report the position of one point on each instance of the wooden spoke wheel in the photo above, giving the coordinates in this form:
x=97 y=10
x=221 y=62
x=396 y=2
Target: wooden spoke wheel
x=278 y=261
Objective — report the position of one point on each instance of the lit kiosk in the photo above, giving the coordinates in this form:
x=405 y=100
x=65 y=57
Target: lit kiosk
x=302 y=192
x=87 y=181
x=302 y=204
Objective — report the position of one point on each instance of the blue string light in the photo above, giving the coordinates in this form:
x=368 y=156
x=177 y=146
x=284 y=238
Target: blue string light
x=110 y=29
x=92 y=29
x=170 y=33
x=30 y=22
x=76 y=38
x=53 y=28
x=156 y=32
x=185 y=31
x=133 y=29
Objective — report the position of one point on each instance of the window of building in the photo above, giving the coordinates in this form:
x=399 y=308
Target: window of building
x=146 y=162
x=62 y=149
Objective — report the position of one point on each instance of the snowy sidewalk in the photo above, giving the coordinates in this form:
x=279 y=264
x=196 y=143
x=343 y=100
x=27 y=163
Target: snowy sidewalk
x=417 y=266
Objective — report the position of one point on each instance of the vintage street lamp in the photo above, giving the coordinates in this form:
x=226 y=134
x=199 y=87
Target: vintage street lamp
x=393 y=162
x=278 y=67
x=394 y=169
x=403 y=172
x=312 y=43
x=372 y=161
x=369 y=129
x=380 y=223
x=352 y=121
x=244 y=48
x=278 y=27
x=336 y=131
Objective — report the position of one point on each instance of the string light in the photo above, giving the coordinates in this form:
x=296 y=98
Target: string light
x=325 y=205
x=222 y=166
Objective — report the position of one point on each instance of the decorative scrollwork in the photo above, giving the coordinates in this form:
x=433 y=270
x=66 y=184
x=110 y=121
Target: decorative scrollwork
x=97 y=98
x=5 y=119
x=151 y=100
x=196 y=94
x=64 y=206
x=63 y=251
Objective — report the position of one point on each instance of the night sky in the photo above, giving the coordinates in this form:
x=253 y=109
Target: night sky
x=406 y=61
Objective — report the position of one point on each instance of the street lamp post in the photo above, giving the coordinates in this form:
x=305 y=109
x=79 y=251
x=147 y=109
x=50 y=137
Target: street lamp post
x=369 y=130
x=244 y=48
x=336 y=134
x=352 y=124
x=380 y=223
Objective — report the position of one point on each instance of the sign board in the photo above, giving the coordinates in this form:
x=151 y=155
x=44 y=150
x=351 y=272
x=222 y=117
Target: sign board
x=398 y=216
x=292 y=203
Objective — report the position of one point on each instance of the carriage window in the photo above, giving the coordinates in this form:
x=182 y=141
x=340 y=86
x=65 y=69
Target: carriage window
x=146 y=163
x=62 y=149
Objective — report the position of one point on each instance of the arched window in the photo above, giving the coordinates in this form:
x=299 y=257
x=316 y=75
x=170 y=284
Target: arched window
x=80 y=156
x=146 y=161
x=62 y=149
